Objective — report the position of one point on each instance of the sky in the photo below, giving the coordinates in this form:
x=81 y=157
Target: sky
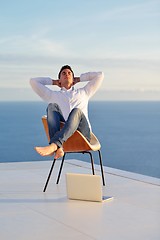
x=119 y=37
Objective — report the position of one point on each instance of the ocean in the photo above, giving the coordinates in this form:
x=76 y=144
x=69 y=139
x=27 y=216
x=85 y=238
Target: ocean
x=129 y=133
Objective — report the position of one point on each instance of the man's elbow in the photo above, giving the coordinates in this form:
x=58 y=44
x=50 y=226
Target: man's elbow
x=32 y=82
x=101 y=75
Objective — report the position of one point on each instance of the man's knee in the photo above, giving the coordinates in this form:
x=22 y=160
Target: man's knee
x=53 y=107
x=77 y=111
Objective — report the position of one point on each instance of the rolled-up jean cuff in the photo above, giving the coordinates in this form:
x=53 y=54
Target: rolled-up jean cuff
x=58 y=143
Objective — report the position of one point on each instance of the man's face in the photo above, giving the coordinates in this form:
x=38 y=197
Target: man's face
x=66 y=78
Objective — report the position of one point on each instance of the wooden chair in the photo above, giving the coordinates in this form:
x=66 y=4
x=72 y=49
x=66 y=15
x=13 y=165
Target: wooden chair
x=77 y=143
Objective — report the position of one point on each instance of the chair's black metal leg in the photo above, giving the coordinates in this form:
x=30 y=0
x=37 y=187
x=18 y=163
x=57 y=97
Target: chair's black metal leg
x=49 y=175
x=92 y=161
x=60 y=170
x=101 y=164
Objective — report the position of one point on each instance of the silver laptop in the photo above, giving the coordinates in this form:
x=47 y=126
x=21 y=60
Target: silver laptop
x=84 y=187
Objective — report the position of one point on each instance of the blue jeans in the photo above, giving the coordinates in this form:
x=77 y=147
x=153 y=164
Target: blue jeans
x=76 y=121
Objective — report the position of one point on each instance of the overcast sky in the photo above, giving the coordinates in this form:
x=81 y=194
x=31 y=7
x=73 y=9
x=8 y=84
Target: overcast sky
x=119 y=37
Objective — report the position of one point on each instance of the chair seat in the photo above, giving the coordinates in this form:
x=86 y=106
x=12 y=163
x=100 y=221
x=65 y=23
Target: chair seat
x=77 y=142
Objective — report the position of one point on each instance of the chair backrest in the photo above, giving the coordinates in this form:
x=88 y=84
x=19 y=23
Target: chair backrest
x=77 y=142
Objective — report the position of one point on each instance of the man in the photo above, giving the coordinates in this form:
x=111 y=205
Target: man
x=68 y=105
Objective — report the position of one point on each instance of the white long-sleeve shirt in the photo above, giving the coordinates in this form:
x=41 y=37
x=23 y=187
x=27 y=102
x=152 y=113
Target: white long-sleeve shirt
x=72 y=98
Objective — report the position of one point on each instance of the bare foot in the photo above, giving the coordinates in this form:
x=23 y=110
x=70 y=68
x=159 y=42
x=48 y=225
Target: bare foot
x=46 y=151
x=59 y=153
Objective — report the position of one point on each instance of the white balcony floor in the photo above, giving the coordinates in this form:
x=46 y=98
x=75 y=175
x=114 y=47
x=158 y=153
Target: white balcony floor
x=27 y=213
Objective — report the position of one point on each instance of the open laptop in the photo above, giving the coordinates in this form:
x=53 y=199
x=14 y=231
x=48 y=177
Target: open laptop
x=84 y=187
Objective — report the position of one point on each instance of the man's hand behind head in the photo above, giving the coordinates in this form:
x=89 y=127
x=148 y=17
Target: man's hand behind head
x=56 y=82
x=76 y=80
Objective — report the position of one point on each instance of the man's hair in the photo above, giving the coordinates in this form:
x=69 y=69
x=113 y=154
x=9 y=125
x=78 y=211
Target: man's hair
x=65 y=67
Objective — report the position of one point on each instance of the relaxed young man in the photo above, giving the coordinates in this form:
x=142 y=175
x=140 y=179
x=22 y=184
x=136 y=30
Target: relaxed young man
x=68 y=105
